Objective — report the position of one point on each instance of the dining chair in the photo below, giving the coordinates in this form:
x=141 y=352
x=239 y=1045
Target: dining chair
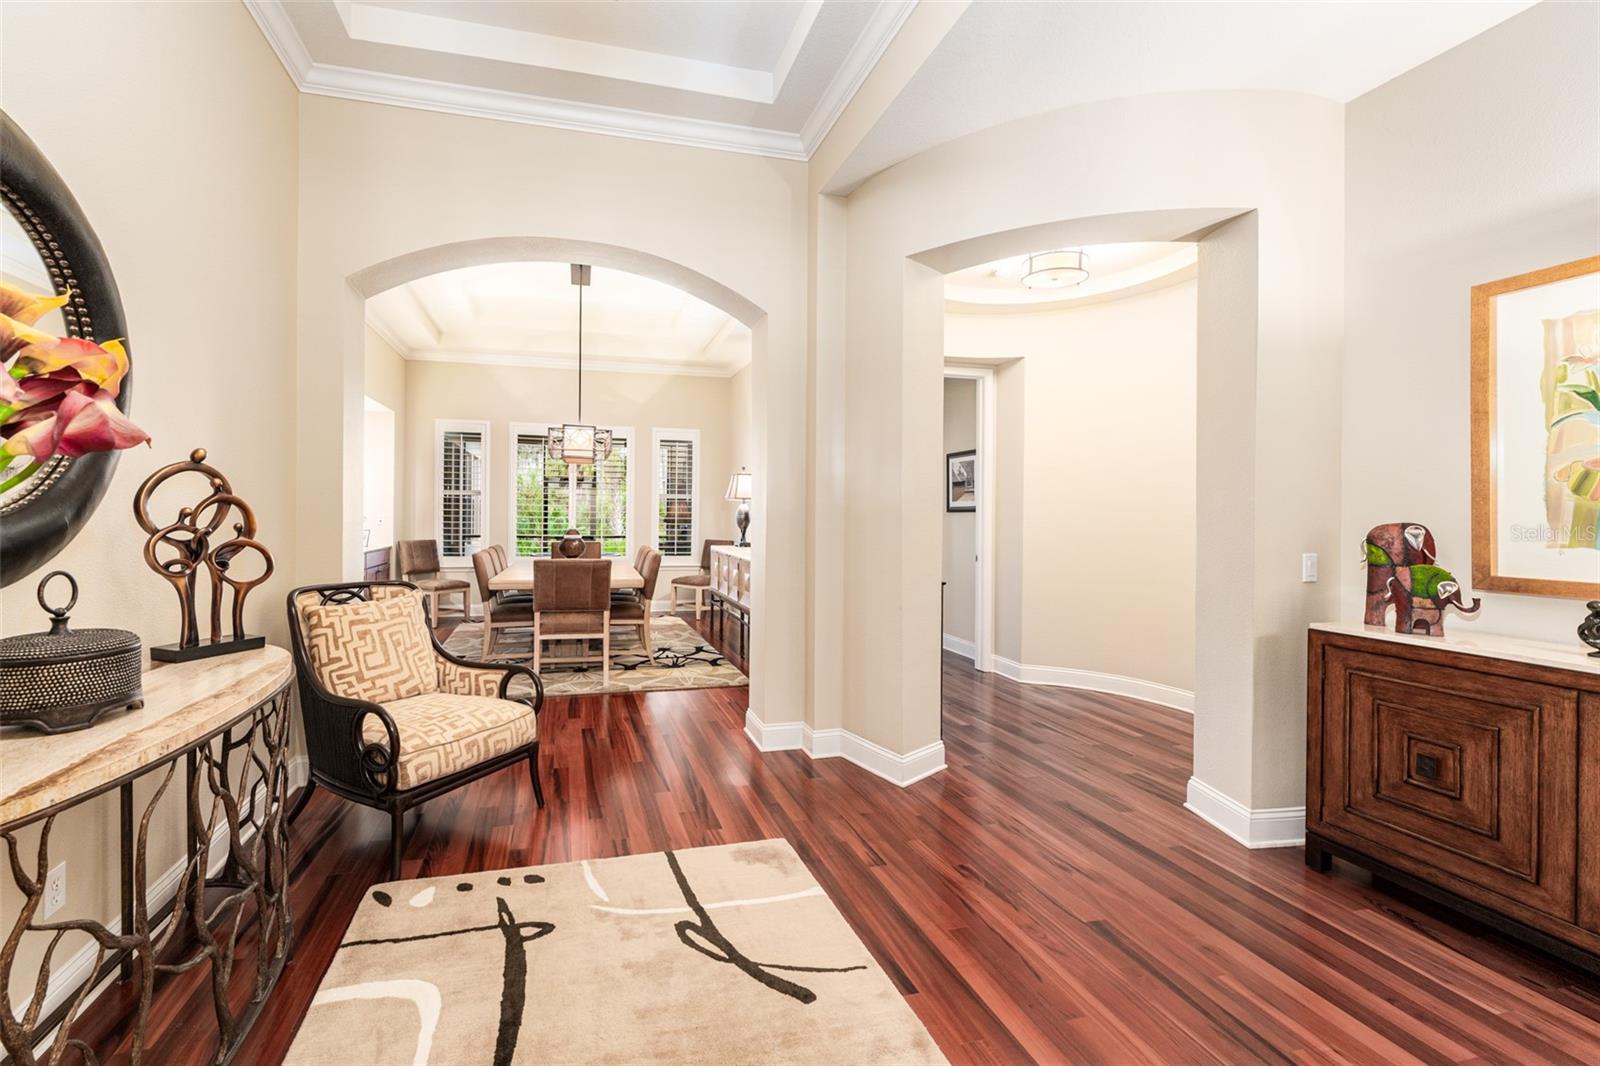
x=572 y=602
x=697 y=585
x=501 y=611
x=419 y=564
x=636 y=614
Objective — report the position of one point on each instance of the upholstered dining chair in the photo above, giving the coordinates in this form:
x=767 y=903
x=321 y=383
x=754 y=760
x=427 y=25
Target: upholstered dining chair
x=391 y=718
x=501 y=611
x=572 y=602
x=591 y=550
x=419 y=564
x=636 y=614
x=697 y=584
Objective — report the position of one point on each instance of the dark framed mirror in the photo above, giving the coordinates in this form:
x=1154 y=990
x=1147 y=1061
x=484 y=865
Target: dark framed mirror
x=47 y=246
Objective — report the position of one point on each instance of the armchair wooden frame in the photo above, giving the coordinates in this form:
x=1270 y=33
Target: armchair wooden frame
x=346 y=764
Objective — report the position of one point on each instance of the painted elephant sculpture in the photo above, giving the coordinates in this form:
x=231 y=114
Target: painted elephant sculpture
x=1420 y=595
x=1389 y=549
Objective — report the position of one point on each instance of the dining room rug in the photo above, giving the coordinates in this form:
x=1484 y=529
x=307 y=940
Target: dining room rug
x=682 y=659
x=726 y=954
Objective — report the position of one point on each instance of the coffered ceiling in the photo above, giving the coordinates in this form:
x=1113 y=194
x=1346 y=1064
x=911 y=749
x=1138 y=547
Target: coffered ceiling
x=526 y=314
x=767 y=77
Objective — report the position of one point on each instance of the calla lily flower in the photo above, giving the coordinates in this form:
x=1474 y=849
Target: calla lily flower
x=28 y=307
x=82 y=423
x=16 y=334
x=100 y=364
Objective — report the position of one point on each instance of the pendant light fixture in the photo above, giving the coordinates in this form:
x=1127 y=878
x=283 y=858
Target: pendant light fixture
x=580 y=443
x=1057 y=270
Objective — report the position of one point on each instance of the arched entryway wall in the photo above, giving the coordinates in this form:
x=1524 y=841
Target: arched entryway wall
x=389 y=194
x=1265 y=170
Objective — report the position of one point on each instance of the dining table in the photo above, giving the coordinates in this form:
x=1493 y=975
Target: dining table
x=518 y=576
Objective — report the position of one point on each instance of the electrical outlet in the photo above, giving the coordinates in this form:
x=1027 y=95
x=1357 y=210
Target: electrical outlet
x=1308 y=567
x=55 y=889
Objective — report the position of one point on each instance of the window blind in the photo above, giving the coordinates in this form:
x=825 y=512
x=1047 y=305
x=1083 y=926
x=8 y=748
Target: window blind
x=461 y=492
x=675 y=497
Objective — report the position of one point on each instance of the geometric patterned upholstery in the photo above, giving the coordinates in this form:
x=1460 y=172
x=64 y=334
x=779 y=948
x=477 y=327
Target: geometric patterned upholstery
x=441 y=733
x=467 y=680
x=377 y=650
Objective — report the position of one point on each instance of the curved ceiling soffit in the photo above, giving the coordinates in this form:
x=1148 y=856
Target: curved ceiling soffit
x=441 y=257
x=1172 y=224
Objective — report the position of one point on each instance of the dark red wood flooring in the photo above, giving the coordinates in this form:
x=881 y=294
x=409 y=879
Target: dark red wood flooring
x=1047 y=898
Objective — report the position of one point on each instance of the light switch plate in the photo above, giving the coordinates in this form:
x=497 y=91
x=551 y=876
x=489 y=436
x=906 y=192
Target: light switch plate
x=1308 y=567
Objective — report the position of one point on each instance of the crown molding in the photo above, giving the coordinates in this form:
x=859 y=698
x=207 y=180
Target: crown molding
x=399 y=90
x=542 y=361
x=886 y=21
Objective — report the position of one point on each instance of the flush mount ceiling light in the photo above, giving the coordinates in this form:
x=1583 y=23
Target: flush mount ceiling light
x=1056 y=270
x=577 y=442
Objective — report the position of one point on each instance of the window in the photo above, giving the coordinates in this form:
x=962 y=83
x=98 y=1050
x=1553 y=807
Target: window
x=677 y=478
x=463 y=459
x=549 y=496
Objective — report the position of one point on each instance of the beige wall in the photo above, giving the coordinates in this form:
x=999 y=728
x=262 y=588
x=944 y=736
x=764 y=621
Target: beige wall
x=1280 y=154
x=1478 y=165
x=193 y=195
x=734 y=220
x=1107 y=461
x=385 y=382
x=740 y=427
x=503 y=395
x=960 y=527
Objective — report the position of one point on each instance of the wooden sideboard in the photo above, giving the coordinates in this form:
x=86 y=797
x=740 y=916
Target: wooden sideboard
x=730 y=585
x=1466 y=768
x=375 y=564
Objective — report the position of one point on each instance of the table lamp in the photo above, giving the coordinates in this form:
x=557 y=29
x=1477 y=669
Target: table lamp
x=739 y=489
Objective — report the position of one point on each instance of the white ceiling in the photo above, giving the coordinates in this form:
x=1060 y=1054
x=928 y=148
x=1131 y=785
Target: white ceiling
x=1114 y=270
x=526 y=314
x=763 y=77
x=1004 y=61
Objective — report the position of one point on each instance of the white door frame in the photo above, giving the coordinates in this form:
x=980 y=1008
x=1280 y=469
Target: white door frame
x=983 y=583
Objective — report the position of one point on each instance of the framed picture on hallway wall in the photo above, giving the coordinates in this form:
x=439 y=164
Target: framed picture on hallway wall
x=1536 y=432
x=961 y=481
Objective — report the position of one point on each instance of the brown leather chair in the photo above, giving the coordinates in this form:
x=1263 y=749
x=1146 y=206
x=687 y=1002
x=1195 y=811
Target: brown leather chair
x=501 y=611
x=697 y=584
x=637 y=612
x=572 y=602
x=591 y=549
x=419 y=564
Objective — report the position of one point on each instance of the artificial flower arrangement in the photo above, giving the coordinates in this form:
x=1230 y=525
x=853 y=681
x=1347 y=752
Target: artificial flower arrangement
x=58 y=395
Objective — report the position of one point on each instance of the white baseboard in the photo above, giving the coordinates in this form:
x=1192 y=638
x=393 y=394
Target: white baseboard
x=900 y=769
x=1064 y=677
x=1268 y=827
x=961 y=646
x=66 y=978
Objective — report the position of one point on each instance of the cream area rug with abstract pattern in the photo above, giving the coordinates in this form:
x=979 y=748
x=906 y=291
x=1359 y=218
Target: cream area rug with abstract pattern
x=729 y=954
x=681 y=659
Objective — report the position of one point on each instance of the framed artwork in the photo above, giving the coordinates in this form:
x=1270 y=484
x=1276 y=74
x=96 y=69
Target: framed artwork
x=961 y=481
x=1536 y=432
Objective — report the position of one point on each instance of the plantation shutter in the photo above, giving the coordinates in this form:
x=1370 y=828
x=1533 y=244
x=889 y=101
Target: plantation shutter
x=533 y=492
x=675 y=498
x=461 y=492
x=600 y=499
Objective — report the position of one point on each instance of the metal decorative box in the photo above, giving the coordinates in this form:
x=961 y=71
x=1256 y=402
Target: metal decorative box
x=65 y=679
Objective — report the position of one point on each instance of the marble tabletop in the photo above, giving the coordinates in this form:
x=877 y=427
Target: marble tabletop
x=183 y=702
x=1533 y=652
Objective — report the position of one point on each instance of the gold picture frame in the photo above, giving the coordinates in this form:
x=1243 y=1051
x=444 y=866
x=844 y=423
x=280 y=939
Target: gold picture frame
x=1489 y=572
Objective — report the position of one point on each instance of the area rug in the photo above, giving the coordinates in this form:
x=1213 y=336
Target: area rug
x=729 y=954
x=682 y=659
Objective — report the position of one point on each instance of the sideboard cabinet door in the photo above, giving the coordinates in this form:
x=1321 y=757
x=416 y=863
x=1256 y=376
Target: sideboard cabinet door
x=1589 y=813
x=1465 y=778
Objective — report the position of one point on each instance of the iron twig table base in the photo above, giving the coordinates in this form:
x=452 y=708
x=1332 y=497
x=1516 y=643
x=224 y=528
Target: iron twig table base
x=235 y=792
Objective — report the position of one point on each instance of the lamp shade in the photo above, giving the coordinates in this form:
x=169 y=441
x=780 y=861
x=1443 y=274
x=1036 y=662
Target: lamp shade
x=1056 y=270
x=739 y=486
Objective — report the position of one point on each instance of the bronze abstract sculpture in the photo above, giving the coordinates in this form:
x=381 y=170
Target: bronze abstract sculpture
x=188 y=544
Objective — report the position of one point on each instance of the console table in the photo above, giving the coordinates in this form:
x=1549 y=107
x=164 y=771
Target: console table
x=1466 y=768
x=730 y=586
x=226 y=720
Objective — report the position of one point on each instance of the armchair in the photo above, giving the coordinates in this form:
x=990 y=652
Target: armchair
x=391 y=718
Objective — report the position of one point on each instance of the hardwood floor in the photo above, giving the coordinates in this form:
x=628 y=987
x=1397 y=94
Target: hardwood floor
x=1047 y=898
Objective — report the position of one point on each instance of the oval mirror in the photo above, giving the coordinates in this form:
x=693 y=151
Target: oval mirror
x=47 y=247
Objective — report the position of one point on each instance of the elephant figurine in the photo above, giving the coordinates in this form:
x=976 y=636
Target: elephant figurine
x=1390 y=549
x=1420 y=594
